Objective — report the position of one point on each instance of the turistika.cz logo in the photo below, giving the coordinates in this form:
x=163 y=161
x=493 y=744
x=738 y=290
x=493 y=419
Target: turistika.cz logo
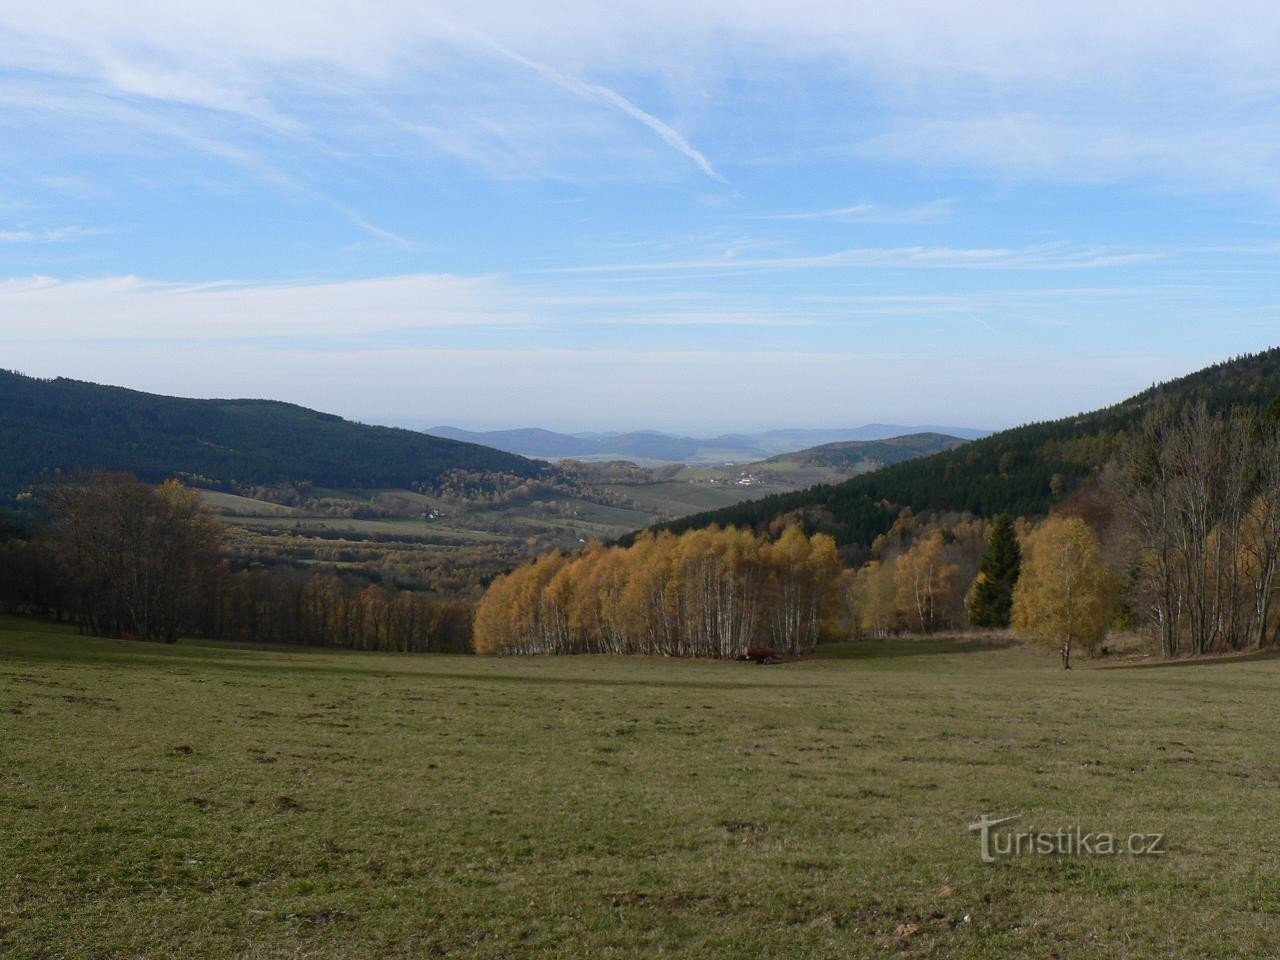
x=1067 y=842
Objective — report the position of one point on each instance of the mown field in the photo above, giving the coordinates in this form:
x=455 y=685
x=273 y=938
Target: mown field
x=211 y=801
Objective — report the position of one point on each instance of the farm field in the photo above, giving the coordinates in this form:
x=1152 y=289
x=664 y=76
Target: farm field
x=573 y=517
x=206 y=800
x=451 y=545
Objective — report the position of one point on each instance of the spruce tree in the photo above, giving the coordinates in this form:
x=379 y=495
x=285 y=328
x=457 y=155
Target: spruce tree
x=991 y=604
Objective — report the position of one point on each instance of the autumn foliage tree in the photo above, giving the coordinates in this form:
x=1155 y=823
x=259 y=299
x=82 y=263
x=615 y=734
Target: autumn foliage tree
x=926 y=578
x=875 y=593
x=803 y=572
x=1065 y=594
x=918 y=573
x=708 y=592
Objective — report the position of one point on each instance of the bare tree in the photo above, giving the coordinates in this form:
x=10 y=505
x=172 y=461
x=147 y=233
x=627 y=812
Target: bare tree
x=1203 y=495
x=136 y=556
x=1262 y=543
x=1147 y=484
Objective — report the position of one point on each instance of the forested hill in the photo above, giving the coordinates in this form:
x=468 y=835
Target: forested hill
x=875 y=452
x=1019 y=471
x=47 y=425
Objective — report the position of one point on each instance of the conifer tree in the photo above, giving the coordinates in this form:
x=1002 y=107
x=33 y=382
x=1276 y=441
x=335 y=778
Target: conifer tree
x=991 y=600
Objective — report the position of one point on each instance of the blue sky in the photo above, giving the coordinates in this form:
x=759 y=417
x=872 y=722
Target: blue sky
x=695 y=217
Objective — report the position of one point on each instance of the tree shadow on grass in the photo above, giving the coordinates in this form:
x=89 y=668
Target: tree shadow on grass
x=915 y=646
x=208 y=657
x=1214 y=660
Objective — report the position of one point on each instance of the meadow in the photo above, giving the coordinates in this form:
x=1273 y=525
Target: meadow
x=207 y=800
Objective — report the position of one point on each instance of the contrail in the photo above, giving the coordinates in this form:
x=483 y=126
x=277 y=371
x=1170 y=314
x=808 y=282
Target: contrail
x=610 y=98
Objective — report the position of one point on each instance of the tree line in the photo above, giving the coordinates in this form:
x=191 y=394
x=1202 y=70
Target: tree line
x=120 y=558
x=705 y=593
x=1202 y=495
x=1024 y=471
x=919 y=575
x=1179 y=534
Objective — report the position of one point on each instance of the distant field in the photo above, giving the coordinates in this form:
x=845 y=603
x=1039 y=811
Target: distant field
x=584 y=519
x=447 y=543
x=208 y=801
x=449 y=547
x=780 y=477
x=674 y=498
x=233 y=505
x=391 y=526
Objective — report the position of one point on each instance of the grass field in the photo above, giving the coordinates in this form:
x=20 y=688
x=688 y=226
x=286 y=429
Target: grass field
x=211 y=801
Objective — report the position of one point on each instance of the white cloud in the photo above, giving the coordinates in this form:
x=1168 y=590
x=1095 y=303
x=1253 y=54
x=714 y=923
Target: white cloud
x=47 y=235
x=1027 y=146
x=346 y=313
x=42 y=309
x=1146 y=88
x=1042 y=257
x=934 y=212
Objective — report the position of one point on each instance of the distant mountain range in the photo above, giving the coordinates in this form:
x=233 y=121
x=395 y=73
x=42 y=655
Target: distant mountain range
x=57 y=425
x=651 y=445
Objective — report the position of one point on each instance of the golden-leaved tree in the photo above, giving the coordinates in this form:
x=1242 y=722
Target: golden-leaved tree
x=1065 y=595
x=927 y=579
x=706 y=593
x=806 y=574
x=875 y=593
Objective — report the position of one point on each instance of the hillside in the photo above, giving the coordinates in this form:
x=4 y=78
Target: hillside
x=651 y=445
x=1017 y=471
x=870 y=453
x=298 y=487
x=49 y=425
x=829 y=463
x=787 y=441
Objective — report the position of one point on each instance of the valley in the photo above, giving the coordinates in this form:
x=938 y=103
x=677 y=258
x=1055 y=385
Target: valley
x=302 y=488
x=440 y=540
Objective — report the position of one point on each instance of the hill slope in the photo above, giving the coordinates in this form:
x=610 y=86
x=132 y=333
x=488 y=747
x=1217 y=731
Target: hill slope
x=875 y=453
x=1016 y=471
x=47 y=425
x=652 y=445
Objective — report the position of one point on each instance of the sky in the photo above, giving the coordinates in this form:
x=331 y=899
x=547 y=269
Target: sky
x=695 y=216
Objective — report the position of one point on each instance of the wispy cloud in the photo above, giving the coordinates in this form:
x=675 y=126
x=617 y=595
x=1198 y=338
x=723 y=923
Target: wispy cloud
x=1230 y=154
x=935 y=212
x=598 y=93
x=371 y=228
x=133 y=308
x=49 y=234
x=1158 y=93
x=1109 y=143
x=1042 y=257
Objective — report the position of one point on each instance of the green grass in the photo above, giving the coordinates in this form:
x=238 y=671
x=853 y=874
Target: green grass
x=211 y=801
